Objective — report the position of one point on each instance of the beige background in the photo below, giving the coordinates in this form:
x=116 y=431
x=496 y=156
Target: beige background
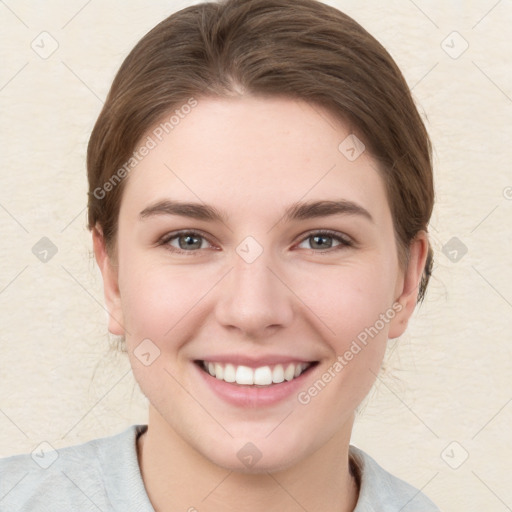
x=449 y=378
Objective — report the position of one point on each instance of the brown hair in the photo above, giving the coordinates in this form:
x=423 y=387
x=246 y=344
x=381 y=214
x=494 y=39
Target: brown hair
x=302 y=49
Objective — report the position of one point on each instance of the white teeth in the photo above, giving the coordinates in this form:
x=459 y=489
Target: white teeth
x=219 y=371
x=229 y=373
x=278 y=374
x=244 y=375
x=290 y=371
x=262 y=376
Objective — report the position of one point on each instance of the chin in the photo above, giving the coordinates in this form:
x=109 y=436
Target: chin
x=270 y=464
x=257 y=456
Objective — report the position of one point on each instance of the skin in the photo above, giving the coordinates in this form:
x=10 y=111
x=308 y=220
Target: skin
x=251 y=158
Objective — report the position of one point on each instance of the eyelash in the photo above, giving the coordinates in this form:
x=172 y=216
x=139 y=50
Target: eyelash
x=345 y=241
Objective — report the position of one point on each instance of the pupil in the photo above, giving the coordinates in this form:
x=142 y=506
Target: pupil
x=190 y=241
x=320 y=237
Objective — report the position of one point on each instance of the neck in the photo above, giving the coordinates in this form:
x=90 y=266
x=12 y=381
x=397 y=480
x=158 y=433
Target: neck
x=177 y=477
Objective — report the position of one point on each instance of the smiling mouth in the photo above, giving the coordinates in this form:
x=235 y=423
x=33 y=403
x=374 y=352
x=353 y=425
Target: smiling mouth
x=262 y=376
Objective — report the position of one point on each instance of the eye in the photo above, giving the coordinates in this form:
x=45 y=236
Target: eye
x=324 y=240
x=184 y=242
x=191 y=242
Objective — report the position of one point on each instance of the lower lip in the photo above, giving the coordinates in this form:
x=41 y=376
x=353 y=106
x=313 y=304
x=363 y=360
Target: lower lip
x=252 y=396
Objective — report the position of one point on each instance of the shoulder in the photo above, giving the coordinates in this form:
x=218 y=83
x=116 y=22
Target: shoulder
x=383 y=492
x=95 y=475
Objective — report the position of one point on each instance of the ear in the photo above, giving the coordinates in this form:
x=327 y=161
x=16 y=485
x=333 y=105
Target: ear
x=110 y=282
x=407 y=294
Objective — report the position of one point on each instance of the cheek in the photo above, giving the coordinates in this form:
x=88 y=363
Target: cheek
x=354 y=308
x=154 y=300
x=161 y=307
x=348 y=298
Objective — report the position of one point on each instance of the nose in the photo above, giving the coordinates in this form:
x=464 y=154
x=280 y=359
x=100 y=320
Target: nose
x=254 y=299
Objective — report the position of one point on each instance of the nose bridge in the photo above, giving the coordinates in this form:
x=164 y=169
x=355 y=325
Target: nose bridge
x=253 y=298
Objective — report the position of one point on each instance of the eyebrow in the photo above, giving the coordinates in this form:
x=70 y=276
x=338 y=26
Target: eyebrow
x=296 y=211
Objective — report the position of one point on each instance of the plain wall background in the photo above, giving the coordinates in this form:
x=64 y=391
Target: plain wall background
x=448 y=379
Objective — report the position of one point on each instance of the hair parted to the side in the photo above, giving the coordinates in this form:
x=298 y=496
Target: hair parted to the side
x=302 y=49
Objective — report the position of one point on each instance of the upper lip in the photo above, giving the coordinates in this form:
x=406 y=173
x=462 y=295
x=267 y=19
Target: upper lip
x=254 y=362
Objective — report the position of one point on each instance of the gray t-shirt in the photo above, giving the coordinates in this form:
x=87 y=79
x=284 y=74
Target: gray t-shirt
x=104 y=475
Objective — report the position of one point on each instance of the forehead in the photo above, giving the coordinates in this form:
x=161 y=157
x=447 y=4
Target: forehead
x=250 y=154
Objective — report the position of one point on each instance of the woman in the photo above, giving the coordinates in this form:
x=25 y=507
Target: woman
x=260 y=185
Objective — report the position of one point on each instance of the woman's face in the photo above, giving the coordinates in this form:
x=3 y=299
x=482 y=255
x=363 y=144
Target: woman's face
x=253 y=287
